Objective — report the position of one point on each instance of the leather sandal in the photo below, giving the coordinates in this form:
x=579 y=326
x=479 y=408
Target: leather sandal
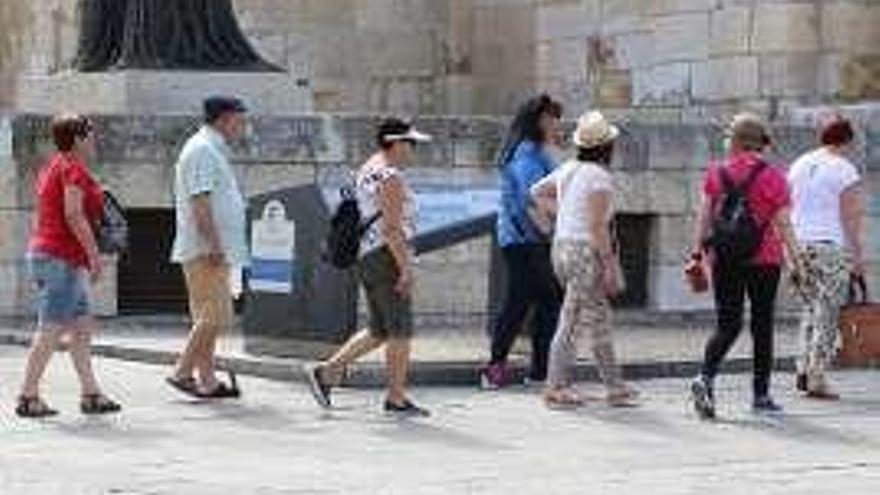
x=33 y=407
x=822 y=394
x=187 y=386
x=562 y=399
x=95 y=404
x=222 y=391
x=625 y=397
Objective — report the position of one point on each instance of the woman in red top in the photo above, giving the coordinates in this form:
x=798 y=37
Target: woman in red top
x=755 y=277
x=63 y=258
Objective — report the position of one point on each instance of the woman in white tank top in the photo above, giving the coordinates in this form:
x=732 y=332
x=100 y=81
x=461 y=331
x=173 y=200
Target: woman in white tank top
x=384 y=270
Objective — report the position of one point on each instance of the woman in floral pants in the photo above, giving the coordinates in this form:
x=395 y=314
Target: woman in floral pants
x=828 y=213
x=580 y=194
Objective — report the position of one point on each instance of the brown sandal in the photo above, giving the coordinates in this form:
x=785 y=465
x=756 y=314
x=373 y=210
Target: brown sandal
x=33 y=407
x=562 y=399
x=625 y=397
x=98 y=404
x=187 y=386
x=822 y=394
x=222 y=391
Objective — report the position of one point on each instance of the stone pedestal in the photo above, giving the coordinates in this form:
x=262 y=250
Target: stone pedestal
x=160 y=92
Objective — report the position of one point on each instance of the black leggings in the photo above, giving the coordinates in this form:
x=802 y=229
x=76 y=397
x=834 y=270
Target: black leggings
x=530 y=283
x=731 y=286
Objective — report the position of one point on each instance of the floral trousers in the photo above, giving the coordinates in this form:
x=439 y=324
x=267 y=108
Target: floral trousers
x=586 y=313
x=824 y=285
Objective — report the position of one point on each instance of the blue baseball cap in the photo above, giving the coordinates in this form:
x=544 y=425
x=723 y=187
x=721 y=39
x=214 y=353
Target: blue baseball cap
x=216 y=106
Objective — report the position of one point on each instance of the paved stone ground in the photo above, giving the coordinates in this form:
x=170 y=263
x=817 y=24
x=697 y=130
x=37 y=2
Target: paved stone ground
x=275 y=441
x=639 y=340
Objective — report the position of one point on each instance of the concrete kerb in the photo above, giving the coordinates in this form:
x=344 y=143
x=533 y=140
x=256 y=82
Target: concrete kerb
x=372 y=375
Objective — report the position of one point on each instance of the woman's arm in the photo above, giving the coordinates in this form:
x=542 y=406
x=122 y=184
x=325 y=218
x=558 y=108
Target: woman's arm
x=75 y=217
x=782 y=224
x=852 y=208
x=542 y=207
x=599 y=208
x=702 y=227
x=392 y=196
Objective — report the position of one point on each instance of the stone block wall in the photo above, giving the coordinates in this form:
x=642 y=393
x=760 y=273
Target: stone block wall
x=16 y=19
x=698 y=60
x=661 y=60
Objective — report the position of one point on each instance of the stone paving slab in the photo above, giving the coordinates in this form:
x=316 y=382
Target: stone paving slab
x=276 y=441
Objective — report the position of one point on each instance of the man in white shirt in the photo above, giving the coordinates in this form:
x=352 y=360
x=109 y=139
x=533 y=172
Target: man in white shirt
x=210 y=242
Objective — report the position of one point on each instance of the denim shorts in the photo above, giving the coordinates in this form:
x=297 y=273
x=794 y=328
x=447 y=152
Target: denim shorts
x=62 y=292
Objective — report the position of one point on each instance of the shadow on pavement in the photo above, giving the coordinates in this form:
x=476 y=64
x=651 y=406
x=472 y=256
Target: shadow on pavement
x=644 y=418
x=422 y=432
x=114 y=430
x=800 y=428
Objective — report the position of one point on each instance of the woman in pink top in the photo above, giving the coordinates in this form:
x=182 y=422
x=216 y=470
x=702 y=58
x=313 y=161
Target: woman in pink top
x=754 y=275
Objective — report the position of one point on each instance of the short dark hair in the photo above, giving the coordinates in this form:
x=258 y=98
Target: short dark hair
x=837 y=131
x=601 y=154
x=391 y=126
x=217 y=106
x=66 y=129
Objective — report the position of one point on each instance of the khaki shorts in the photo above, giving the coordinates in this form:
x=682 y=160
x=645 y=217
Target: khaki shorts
x=390 y=314
x=210 y=300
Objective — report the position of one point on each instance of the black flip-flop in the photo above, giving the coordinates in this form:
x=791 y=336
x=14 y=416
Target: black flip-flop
x=223 y=391
x=187 y=386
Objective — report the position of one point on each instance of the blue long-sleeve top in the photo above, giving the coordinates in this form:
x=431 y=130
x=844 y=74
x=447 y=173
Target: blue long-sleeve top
x=528 y=164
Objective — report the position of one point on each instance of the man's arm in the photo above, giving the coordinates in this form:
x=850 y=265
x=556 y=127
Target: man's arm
x=206 y=227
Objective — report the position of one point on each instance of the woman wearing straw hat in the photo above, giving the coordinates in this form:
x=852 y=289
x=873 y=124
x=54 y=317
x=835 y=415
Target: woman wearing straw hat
x=580 y=193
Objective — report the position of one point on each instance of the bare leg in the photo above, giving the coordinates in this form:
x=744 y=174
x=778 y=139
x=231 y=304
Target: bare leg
x=81 y=355
x=186 y=364
x=206 y=365
x=359 y=345
x=43 y=346
x=397 y=362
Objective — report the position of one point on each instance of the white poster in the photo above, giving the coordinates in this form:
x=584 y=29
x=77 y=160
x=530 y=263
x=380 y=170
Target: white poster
x=273 y=243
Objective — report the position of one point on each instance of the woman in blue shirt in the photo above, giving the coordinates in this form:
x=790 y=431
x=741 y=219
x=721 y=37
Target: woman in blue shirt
x=525 y=248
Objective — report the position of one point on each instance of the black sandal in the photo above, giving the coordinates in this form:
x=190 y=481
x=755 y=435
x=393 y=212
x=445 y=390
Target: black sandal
x=187 y=386
x=33 y=407
x=98 y=404
x=223 y=391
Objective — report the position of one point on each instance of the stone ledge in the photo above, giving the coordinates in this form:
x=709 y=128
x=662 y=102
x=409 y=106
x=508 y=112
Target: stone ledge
x=159 y=93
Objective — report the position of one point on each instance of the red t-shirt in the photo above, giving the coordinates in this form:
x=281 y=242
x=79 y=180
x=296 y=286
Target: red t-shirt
x=768 y=194
x=51 y=234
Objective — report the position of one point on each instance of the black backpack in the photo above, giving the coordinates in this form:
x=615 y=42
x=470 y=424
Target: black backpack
x=112 y=233
x=736 y=233
x=347 y=228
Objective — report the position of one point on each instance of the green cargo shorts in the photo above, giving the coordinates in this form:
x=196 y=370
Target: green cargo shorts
x=390 y=314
